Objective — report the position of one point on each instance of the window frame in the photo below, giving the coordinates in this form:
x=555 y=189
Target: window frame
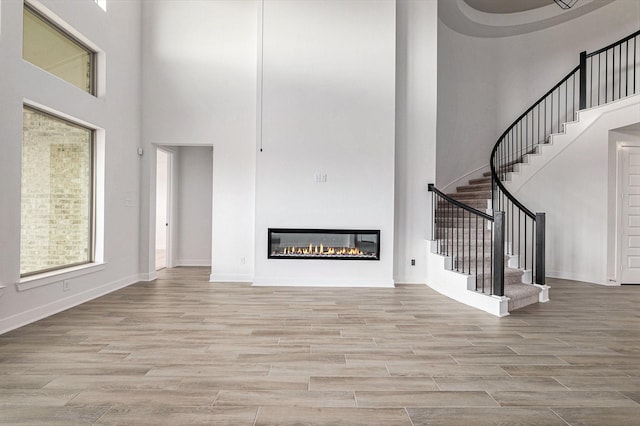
x=92 y=193
x=93 y=89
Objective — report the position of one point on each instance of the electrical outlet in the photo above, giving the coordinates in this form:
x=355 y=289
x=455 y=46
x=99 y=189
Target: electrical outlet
x=413 y=262
x=65 y=285
x=243 y=260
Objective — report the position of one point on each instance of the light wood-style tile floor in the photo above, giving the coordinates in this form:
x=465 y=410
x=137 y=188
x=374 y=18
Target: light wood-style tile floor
x=181 y=350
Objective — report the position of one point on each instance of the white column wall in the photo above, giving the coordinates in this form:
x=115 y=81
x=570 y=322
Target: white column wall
x=415 y=149
x=328 y=107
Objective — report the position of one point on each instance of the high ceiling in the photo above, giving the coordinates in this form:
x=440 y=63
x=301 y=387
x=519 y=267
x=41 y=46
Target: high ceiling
x=507 y=6
x=503 y=18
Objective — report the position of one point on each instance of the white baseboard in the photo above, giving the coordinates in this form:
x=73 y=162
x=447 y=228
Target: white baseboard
x=564 y=275
x=40 y=312
x=149 y=277
x=230 y=278
x=321 y=282
x=193 y=262
x=407 y=280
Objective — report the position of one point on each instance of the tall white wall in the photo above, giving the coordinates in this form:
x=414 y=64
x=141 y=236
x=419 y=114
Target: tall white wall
x=328 y=106
x=415 y=149
x=199 y=88
x=116 y=33
x=194 y=203
x=467 y=90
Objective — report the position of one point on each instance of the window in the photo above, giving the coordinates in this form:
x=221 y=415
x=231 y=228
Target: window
x=57 y=193
x=49 y=47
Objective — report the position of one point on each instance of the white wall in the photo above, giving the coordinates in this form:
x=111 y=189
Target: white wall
x=328 y=106
x=194 y=203
x=484 y=84
x=199 y=88
x=467 y=90
x=415 y=149
x=116 y=110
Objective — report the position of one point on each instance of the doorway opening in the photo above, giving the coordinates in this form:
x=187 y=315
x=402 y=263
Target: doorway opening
x=163 y=209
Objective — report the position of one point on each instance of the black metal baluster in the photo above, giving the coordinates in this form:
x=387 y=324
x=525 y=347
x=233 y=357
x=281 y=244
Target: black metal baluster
x=533 y=254
x=551 y=115
x=613 y=74
x=484 y=277
x=619 y=70
x=510 y=224
x=469 y=249
x=566 y=102
x=545 y=120
x=626 y=70
x=457 y=237
x=599 y=86
x=525 y=244
x=463 y=239
x=591 y=82
x=476 y=270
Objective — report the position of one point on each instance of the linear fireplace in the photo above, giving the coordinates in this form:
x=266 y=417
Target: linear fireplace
x=344 y=244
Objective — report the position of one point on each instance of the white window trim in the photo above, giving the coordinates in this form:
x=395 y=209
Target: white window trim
x=46 y=278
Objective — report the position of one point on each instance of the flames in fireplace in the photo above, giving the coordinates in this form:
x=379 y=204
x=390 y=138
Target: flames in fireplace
x=321 y=251
x=299 y=243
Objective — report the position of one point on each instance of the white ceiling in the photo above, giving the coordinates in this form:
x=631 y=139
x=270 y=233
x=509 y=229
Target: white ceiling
x=507 y=6
x=503 y=18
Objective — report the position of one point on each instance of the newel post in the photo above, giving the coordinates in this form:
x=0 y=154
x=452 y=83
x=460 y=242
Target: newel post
x=583 y=81
x=498 y=253
x=540 y=248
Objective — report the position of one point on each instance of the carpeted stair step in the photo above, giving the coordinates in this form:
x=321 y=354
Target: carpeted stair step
x=482 y=180
x=475 y=187
x=468 y=241
x=475 y=195
x=511 y=276
x=477 y=203
x=521 y=295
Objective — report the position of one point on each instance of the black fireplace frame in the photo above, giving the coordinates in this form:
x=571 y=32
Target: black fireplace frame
x=271 y=231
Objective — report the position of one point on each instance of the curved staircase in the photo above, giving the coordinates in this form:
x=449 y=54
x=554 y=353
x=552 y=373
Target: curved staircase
x=484 y=241
x=477 y=194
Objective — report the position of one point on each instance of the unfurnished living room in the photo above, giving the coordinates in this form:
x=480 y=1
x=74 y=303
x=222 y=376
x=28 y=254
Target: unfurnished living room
x=372 y=212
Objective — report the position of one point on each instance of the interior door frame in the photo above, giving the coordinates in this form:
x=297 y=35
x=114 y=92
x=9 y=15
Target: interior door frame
x=170 y=255
x=619 y=206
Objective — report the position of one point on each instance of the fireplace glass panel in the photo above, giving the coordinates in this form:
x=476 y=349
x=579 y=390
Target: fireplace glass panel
x=324 y=244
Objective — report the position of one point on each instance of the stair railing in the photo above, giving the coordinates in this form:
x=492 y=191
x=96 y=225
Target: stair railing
x=603 y=76
x=461 y=232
